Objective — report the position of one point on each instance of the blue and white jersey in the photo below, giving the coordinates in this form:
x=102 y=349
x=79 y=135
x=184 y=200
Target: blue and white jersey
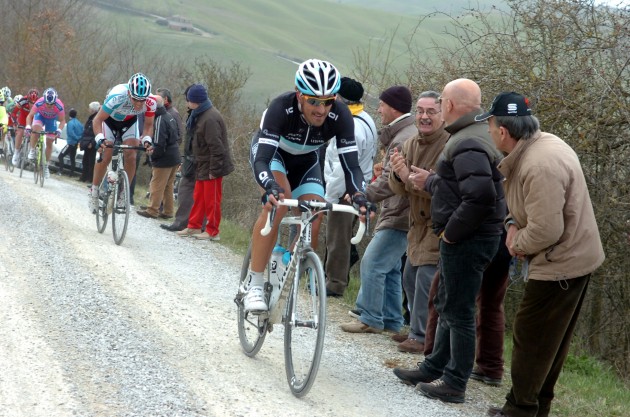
x=119 y=106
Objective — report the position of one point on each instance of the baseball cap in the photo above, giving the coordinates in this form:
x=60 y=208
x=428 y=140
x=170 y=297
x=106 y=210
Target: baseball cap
x=507 y=104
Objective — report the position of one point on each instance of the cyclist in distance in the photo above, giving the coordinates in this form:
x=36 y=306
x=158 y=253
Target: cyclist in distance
x=286 y=163
x=20 y=112
x=120 y=110
x=45 y=113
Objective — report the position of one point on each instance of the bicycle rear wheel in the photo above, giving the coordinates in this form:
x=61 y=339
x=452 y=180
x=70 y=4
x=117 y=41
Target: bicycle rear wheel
x=36 y=168
x=305 y=325
x=120 y=212
x=23 y=155
x=102 y=214
x=252 y=328
x=9 y=155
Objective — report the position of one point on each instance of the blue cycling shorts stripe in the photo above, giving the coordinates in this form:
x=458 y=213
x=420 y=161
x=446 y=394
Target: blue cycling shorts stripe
x=308 y=188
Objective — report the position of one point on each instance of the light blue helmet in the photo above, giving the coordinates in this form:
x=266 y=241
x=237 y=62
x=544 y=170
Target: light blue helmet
x=317 y=78
x=139 y=86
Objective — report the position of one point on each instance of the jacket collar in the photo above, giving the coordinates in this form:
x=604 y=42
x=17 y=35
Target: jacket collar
x=387 y=133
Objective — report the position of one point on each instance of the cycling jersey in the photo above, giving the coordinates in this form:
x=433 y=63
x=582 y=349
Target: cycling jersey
x=119 y=106
x=284 y=129
x=46 y=112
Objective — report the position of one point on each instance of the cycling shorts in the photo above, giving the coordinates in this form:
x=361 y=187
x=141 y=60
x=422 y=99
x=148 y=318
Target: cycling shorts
x=50 y=125
x=129 y=128
x=303 y=171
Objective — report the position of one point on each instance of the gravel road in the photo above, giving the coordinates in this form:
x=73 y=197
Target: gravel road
x=88 y=328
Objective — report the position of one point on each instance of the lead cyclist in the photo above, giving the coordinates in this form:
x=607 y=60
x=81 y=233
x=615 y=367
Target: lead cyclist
x=285 y=160
x=120 y=110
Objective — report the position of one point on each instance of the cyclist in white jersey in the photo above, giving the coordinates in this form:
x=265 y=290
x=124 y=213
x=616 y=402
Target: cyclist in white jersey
x=120 y=111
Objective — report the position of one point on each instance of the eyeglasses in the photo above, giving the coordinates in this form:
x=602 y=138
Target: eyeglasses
x=319 y=101
x=429 y=112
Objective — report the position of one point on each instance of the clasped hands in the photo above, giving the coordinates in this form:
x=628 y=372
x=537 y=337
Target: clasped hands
x=416 y=176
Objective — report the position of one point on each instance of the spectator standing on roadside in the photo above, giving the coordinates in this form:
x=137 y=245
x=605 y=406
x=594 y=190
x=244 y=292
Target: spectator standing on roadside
x=165 y=160
x=421 y=151
x=379 y=302
x=74 y=133
x=340 y=225
x=551 y=228
x=88 y=144
x=213 y=157
x=467 y=211
x=165 y=93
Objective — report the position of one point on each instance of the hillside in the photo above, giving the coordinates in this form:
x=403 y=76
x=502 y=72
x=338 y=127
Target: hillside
x=269 y=36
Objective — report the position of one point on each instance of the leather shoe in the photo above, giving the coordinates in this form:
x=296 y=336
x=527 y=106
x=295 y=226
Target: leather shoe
x=413 y=376
x=170 y=227
x=478 y=375
x=440 y=390
x=411 y=346
x=495 y=412
x=164 y=216
x=400 y=337
x=145 y=213
x=359 y=327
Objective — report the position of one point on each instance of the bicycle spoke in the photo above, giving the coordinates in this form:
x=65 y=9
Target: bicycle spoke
x=252 y=329
x=120 y=212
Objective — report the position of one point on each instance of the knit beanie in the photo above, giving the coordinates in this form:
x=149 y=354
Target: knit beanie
x=350 y=89
x=397 y=97
x=197 y=94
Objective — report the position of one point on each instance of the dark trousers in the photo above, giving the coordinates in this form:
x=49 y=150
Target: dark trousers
x=543 y=328
x=185 y=201
x=71 y=151
x=490 y=324
x=462 y=265
x=89 y=159
x=338 y=234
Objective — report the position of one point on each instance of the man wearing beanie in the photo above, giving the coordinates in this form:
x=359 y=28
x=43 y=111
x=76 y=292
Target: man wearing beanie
x=340 y=225
x=211 y=151
x=467 y=212
x=379 y=303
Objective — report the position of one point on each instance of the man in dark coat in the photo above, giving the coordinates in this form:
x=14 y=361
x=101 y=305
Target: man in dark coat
x=165 y=160
x=213 y=159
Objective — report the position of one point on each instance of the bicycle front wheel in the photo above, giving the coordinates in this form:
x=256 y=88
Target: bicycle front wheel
x=42 y=166
x=8 y=166
x=120 y=212
x=36 y=169
x=305 y=325
x=252 y=328
x=102 y=213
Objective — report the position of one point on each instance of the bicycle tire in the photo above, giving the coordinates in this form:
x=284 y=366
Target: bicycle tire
x=101 y=212
x=120 y=212
x=9 y=155
x=42 y=166
x=5 y=153
x=23 y=152
x=36 y=167
x=252 y=329
x=305 y=318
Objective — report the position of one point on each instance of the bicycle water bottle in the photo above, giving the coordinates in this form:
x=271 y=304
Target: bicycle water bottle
x=112 y=177
x=276 y=270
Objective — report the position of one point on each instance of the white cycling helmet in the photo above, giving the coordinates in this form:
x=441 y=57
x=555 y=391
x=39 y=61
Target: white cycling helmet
x=7 y=92
x=317 y=78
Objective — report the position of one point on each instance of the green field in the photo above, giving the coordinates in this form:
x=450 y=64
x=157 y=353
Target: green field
x=270 y=36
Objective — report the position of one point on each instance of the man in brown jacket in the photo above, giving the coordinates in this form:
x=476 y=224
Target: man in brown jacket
x=552 y=228
x=379 y=301
x=211 y=150
x=420 y=151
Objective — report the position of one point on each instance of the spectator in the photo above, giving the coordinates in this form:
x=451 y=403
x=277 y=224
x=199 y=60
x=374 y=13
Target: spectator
x=422 y=150
x=74 y=133
x=211 y=151
x=340 y=225
x=164 y=162
x=467 y=211
x=165 y=93
x=552 y=228
x=186 y=184
x=88 y=144
x=380 y=297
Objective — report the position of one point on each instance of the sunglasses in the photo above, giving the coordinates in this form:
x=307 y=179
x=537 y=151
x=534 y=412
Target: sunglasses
x=318 y=101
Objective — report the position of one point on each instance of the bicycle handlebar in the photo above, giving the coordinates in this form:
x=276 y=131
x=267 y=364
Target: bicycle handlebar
x=318 y=206
x=128 y=147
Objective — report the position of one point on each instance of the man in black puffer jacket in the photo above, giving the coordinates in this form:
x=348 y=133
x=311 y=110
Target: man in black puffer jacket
x=467 y=210
x=165 y=160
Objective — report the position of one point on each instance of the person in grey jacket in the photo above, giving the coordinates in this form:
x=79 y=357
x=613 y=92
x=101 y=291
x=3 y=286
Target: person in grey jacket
x=213 y=158
x=164 y=162
x=467 y=211
x=379 y=301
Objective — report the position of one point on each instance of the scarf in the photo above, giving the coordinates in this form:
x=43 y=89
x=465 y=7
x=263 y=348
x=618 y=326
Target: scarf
x=355 y=108
x=190 y=123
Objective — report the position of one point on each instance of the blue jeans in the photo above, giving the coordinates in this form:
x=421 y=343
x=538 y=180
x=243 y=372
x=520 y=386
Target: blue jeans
x=461 y=269
x=380 y=295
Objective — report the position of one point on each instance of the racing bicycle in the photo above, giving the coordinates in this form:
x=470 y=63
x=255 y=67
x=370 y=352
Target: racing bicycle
x=113 y=192
x=40 y=157
x=296 y=297
x=8 y=147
